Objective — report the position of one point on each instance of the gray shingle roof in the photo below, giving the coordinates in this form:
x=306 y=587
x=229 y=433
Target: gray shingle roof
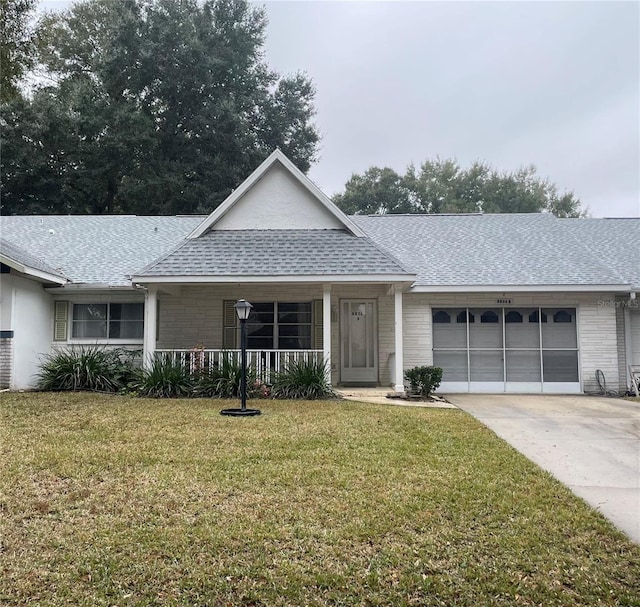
x=483 y=250
x=19 y=255
x=615 y=241
x=97 y=249
x=276 y=253
x=443 y=250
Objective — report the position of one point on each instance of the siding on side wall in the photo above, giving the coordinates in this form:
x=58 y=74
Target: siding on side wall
x=597 y=329
x=634 y=317
x=622 y=345
x=598 y=344
x=417 y=334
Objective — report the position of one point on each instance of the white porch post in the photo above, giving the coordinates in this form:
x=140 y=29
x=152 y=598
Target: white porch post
x=326 y=328
x=150 y=318
x=399 y=360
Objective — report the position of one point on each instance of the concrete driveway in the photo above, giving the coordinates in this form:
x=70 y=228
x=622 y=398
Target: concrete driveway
x=591 y=444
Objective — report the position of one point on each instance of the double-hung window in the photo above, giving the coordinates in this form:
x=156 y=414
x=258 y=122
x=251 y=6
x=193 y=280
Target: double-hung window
x=280 y=326
x=108 y=321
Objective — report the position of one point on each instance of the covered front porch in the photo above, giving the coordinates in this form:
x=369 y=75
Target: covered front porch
x=355 y=329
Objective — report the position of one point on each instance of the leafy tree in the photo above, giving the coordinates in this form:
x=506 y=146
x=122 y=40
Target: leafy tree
x=16 y=44
x=377 y=192
x=167 y=106
x=443 y=186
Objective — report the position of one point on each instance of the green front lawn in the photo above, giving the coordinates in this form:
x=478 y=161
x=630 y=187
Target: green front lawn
x=108 y=500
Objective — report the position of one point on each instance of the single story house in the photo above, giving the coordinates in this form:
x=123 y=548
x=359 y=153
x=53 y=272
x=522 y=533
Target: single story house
x=503 y=303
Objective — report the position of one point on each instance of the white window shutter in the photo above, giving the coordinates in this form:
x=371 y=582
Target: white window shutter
x=60 y=320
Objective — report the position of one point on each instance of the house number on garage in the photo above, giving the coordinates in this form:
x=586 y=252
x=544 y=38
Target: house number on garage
x=504 y=301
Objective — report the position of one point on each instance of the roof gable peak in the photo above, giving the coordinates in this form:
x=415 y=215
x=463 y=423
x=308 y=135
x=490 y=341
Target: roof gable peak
x=275 y=191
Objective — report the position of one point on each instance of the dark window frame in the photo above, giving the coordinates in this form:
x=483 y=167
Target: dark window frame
x=275 y=336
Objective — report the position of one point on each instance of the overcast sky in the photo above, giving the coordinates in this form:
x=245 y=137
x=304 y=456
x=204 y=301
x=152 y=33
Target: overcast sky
x=554 y=84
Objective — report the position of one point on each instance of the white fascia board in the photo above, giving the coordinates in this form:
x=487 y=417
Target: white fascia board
x=519 y=288
x=249 y=182
x=90 y=288
x=33 y=272
x=321 y=278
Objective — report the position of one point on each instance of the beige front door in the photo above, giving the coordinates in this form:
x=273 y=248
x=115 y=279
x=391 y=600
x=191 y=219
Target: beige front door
x=358 y=341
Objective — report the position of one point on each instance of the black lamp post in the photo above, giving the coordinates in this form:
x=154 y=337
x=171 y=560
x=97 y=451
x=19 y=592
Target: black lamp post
x=243 y=309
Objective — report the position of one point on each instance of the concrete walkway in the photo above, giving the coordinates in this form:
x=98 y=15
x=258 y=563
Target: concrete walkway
x=591 y=444
x=380 y=396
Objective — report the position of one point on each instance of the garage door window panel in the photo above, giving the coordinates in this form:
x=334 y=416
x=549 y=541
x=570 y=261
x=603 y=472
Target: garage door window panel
x=522 y=334
x=448 y=334
x=559 y=332
x=487 y=333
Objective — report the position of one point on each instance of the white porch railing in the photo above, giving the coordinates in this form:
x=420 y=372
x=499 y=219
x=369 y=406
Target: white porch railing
x=264 y=363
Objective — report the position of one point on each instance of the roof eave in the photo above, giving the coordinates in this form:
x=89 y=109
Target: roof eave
x=282 y=278
x=89 y=287
x=544 y=288
x=33 y=272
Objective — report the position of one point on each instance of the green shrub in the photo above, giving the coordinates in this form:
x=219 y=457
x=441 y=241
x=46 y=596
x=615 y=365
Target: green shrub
x=223 y=380
x=86 y=368
x=304 y=380
x=423 y=380
x=165 y=378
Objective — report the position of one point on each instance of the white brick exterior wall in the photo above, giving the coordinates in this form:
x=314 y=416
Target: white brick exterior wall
x=418 y=340
x=6 y=361
x=622 y=345
x=598 y=344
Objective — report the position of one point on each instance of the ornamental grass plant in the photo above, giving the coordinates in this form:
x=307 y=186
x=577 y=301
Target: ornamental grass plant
x=223 y=380
x=91 y=368
x=303 y=379
x=164 y=378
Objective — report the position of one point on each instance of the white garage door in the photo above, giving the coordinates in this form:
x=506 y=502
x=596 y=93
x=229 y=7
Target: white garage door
x=506 y=349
